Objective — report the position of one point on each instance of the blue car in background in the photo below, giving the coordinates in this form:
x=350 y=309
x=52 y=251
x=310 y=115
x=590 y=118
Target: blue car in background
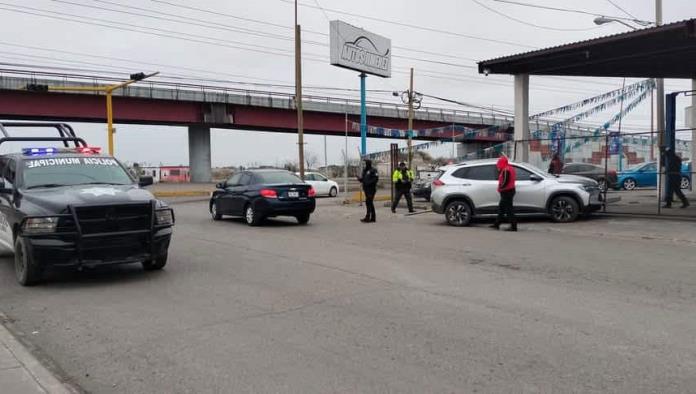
x=645 y=175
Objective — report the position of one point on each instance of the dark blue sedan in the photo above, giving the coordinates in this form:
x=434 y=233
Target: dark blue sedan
x=257 y=195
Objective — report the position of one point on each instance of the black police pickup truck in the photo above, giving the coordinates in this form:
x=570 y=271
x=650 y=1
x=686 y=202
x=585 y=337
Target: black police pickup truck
x=73 y=206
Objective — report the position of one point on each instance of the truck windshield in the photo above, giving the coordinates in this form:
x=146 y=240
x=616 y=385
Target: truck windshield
x=69 y=171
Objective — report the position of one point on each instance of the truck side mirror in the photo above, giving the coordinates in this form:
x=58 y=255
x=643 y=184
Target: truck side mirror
x=145 y=181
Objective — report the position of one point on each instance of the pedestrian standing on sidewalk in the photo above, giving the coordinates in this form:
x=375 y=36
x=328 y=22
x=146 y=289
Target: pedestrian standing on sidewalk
x=368 y=179
x=556 y=165
x=506 y=188
x=402 y=178
x=674 y=164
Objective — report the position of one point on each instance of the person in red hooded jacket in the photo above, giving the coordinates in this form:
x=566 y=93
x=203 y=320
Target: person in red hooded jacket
x=506 y=188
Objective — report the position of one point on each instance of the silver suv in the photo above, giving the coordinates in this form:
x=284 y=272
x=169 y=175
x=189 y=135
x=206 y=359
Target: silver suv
x=467 y=189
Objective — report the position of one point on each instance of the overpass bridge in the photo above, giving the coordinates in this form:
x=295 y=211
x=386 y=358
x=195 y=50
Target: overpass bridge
x=201 y=108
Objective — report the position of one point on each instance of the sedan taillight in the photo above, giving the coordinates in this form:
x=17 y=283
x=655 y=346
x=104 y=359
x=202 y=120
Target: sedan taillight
x=311 y=192
x=268 y=193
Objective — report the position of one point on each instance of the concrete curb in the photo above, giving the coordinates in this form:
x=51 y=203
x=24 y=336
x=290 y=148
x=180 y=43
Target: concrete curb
x=41 y=375
x=188 y=193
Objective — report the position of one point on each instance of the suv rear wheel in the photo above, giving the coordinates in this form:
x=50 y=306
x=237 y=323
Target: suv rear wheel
x=458 y=213
x=564 y=209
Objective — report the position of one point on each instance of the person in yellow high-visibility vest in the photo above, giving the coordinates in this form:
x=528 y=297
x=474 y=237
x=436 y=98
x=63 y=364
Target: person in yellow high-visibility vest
x=402 y=178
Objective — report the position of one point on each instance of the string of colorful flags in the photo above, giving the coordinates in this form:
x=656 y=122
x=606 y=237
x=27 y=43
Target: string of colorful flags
x=611 y=102
x=638 y=86
x=614 y=119
x=457 y=131
x=384 y=155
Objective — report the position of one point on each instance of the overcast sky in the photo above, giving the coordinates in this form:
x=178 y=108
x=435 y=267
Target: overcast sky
x=34 y=39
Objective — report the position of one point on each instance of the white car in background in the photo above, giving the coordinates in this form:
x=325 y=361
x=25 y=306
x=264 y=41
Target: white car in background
x=321 y=184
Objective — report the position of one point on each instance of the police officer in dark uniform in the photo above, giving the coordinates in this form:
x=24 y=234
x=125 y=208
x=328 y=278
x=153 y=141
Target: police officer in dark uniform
x=369 y=179
x=674 y=164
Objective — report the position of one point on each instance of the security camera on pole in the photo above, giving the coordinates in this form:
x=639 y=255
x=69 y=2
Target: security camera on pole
x=368 y=53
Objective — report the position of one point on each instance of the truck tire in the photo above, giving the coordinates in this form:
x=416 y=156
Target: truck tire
x=155 y=264
x=27 y=271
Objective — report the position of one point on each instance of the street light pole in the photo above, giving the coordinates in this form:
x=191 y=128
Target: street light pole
x=298 y=95
x=410 y=122
x=108 y=90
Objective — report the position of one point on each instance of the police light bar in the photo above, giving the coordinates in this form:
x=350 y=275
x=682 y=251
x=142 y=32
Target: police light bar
x=39 y=151
x=95 y=150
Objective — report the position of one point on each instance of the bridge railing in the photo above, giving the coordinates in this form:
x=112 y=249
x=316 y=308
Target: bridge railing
x=176 y=90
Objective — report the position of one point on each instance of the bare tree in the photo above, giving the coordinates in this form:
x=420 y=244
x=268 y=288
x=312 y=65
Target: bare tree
x=311 y=159
x=291 y=166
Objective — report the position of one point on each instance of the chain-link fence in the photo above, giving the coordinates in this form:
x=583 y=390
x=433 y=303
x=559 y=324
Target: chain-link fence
x=629 y=167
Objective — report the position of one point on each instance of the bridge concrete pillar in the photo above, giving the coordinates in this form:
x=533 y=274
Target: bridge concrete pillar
x=522 y=117
x=692 y=123
x=199 y=153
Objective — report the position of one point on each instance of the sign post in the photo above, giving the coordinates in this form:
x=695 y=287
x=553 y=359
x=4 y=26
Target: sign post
x=357 y=49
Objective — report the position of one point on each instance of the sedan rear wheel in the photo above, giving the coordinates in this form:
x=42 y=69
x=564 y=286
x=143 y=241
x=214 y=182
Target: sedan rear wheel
x=458 y=213
x=251 y=216
x=564 y=209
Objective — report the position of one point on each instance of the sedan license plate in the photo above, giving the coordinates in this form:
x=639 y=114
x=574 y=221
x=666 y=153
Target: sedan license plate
x=293 y=194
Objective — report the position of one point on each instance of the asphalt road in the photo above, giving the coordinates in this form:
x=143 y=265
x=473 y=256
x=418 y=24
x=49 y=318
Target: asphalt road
x=405 y=305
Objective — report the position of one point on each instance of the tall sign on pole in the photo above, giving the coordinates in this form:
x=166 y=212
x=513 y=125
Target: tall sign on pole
x=368 y=53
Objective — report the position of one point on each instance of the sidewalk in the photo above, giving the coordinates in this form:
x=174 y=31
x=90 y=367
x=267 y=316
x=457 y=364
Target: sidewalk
x=21 y=372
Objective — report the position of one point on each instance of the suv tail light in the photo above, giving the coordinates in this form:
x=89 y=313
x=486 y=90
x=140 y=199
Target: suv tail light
x=438 y=182
x=268 y=193
x=311 y=192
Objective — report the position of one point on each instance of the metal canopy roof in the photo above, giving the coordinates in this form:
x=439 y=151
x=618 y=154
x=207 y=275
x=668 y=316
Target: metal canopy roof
x=667 y=51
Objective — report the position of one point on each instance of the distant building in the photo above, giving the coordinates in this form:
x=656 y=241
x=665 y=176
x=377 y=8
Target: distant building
x=154 y=172
x=174 y=174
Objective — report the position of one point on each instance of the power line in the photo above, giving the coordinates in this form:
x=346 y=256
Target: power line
x=229 y=28
x=570 y=10
x=493 y=10
x=621 y=9
x=211 y=12
x=111 y=58
x=196 y=39
x=412 y=26
x=432 y=74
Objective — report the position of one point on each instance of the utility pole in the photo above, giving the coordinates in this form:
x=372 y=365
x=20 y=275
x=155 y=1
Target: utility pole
x=326 y=160
x=659 y=109
x=298 y=95
x=345 y=161
x=410 y=122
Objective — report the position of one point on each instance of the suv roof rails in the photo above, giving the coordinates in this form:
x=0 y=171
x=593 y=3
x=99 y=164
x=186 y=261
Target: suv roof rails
x=65 y=131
